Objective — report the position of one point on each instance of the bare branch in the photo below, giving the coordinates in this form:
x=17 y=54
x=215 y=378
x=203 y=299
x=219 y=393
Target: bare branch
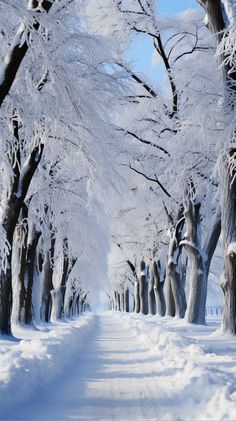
x=147 y=142
x=155 y=180
x=139 y=80
x=160 y=49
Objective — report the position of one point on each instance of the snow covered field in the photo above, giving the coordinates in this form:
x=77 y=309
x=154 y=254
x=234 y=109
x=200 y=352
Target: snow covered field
x=122 y=367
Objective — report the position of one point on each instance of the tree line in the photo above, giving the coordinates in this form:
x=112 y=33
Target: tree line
x=95 y=152
x=181 y=142
x=54 y=90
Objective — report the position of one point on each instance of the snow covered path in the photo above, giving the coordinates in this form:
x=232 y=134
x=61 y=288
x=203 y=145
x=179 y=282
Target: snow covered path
x=132 y=368
x=108 y=381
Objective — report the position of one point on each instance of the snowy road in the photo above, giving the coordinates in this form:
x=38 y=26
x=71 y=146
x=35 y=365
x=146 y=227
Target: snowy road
x=113 y=379
x=130 y=368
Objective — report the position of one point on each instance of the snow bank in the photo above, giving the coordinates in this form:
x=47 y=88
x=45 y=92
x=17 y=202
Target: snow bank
x=30 y=363
x=195 y=383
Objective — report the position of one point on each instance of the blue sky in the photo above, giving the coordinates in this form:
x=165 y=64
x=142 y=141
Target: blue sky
x=175 y=6
x=142 y=49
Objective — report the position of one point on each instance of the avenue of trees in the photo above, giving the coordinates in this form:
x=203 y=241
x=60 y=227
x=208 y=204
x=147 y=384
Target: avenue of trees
x=55 y=91
x=99 y=159
x=180 y=143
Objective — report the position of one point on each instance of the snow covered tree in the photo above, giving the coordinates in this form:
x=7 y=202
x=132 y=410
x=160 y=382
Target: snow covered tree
x=63 y=126
x=220 y=19
x=157 y=136
x=22 y=176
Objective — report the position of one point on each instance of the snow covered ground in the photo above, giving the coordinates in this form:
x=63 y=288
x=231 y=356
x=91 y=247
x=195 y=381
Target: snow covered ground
x=120 y=367
x=29 y=364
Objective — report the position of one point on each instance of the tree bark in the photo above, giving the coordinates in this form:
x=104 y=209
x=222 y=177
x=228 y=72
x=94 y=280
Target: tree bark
x=21 y=244
x=143 y=288
x=174 y=274
x=151 y=295
x=78 y=305
x=30 y=268
x=137 y=296
x=127 y=300
x=159 y=289
x=212 y=239
x=118 y=302
x=199 y=259
x=6 y=298
x=170 y=302
x=58 y=294
x=218 y=24
x=83 y=302
x=228 y=209
x=10 y=217
x=198 y=275
x=74 y=303
x=47 y=285
x=122 y=295
x=213 y=9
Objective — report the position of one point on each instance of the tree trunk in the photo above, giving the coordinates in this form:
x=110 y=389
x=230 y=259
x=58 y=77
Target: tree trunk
x=143 y=288
x=212 y=239
x=127 y=300
x=78 y=305
x=198 y=289
x=67 y=268
x=74 y=301
x=118 y=302
x=200 y=260
x=159 y=289
x=47 y=285
x=68 y=307
x=136 y=299
x=10 y=217
x=21 y=245
x=58 y=294
x=170 y=303
x=30 y=267
x=136 y=296
x=6 y=279
x=218 y=22
x=115 y=301
x=83 y=302
x=57 y=302
x=6 y=298
x=133 y=302
x=228 y=209
x=122 y=300
x=151 y=295
x=177 y=288
x=174 y=273
x=198 y=277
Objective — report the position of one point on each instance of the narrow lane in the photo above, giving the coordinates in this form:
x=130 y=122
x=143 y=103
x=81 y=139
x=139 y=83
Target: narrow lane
x=112 y=379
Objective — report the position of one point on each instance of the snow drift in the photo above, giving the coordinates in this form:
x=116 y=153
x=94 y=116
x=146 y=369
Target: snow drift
x=27 y=365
